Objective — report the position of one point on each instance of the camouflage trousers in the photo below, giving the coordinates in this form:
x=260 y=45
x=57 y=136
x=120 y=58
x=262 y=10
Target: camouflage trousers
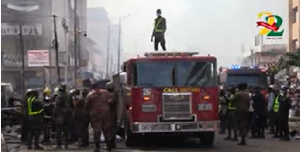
x=104 y=124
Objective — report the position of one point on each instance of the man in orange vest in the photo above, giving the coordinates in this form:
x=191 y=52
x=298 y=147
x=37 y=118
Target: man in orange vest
x=160 y=27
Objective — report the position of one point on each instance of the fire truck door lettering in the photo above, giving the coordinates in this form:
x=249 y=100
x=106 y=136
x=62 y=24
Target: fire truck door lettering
x=170 y=90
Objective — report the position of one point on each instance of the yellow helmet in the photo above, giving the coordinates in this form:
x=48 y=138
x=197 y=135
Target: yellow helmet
x=47 y=91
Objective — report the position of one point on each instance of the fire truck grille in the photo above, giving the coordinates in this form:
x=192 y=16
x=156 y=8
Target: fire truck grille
x=176 y=106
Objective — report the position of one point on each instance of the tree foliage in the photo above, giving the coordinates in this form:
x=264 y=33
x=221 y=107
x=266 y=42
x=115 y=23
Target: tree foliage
x=288 y=60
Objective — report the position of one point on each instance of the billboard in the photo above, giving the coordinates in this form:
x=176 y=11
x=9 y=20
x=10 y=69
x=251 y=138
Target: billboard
x=38 y=58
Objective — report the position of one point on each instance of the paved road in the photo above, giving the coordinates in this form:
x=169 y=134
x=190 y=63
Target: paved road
x=192 y=145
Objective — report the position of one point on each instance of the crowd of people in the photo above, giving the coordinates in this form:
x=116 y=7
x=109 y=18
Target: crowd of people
x=244 y=110
x=69 y=114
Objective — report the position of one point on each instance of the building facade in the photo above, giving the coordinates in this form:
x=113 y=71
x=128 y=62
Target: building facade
x=34 y=19
x=294 y=25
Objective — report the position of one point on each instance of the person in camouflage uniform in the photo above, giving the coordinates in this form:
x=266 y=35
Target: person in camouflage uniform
x=60 y=117
x=98 y=104
x=82 y=119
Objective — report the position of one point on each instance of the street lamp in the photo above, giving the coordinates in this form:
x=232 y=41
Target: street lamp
x=121 y=19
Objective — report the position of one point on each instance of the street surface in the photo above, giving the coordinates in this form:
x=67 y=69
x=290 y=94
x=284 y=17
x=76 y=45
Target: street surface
x=192 y=145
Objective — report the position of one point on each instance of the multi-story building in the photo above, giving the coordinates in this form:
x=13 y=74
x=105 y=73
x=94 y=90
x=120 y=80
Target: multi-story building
x=264 y=54
x=35 y=18
x=105 y=34
x=294 y=25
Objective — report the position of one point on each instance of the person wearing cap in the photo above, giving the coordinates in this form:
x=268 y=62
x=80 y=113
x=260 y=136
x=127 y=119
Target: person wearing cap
x=275 y=108
x=98 y=104
x=258 y=118
x=242 y=99
x=33 y=111
x=60 y=117
x=160 y=27
x=231 y=116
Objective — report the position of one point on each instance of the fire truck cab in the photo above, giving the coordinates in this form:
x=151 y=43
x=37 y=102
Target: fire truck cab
x=170 y=93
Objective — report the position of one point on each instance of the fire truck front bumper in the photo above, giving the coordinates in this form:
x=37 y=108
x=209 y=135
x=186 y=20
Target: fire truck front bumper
x=159 y=127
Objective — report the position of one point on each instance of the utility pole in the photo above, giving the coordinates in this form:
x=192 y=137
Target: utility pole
x=56 y=48
x=23 y=61
x=75 y=43
x=65 y=26
x=108 y=51
x=119 y=44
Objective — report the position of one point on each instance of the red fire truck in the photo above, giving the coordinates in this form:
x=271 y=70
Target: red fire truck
x=170 y=93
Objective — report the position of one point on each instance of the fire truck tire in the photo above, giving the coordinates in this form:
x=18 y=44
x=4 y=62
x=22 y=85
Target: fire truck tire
x=207 y=138
x=131 y=140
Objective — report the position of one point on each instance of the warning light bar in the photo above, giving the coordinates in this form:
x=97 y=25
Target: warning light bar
x=157 y=54
x=235 y=67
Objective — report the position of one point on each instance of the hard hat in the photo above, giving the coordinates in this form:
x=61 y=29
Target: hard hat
x=56 y=90
x=47 y=91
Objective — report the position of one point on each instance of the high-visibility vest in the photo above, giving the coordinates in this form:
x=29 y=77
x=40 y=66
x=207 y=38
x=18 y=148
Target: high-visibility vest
x=156 y=26
x=276 y=104
x=230 y=107
x=29 y=106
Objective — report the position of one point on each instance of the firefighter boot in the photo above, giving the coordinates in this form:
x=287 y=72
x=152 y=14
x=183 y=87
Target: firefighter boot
x=243 y=142
x=110 y=145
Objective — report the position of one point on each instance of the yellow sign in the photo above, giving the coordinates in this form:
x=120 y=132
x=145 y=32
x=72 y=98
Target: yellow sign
x=169 y=90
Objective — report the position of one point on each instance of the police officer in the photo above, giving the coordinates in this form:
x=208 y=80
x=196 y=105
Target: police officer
x=60 y=116
x=34 y=109
x=48 y=109
x=242 y=99
x=231 y=116
x=284 y=107
x=278 y=99
x=98 y=104
x=160 y=27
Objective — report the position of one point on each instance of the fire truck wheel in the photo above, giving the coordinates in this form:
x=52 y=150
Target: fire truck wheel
x=207 y=138
x=131 y=139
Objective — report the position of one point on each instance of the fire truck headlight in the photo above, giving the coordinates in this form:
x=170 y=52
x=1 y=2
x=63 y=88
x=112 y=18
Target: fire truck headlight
x=149 y=108
x=205 y=107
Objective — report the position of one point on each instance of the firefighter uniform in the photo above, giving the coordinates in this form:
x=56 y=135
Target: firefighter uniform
x=34 y=109
x=48 y=108
x=160 y=27
x=98 y=104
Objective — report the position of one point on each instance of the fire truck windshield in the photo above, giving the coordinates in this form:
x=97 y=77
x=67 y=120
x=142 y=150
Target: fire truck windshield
x=254 y=80
x=174 y=73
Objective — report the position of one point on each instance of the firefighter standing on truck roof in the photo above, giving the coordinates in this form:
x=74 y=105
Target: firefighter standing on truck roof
x=160 y=27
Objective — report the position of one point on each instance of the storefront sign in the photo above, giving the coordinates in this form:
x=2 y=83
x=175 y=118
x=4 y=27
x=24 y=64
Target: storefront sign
x=10 y=60
x=8 y=29
x=38 y=58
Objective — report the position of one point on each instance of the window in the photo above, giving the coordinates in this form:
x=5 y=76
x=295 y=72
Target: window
x=174 y=73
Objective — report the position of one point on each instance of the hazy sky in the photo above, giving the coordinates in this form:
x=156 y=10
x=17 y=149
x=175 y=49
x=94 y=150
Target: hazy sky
x=216 y=27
